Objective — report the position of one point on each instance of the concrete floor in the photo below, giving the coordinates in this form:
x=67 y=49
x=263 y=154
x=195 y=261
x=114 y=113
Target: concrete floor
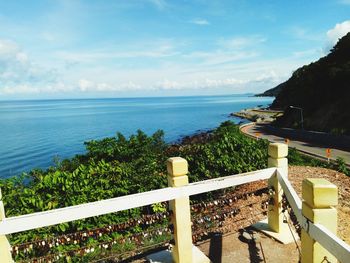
x=240 y=247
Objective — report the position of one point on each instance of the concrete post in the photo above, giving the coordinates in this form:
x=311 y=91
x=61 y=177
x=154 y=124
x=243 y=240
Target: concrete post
x=319 y=196
x=5 y=248
x=277 y=158
x=181 y=218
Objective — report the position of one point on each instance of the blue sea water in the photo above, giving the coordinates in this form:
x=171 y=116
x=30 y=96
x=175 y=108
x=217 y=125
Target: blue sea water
x=33 y=133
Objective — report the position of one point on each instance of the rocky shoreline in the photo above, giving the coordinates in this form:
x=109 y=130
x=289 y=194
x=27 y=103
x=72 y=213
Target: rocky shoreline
x=258 y=114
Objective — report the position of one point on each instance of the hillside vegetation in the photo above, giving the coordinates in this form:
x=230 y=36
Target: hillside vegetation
x=272 y=92
x=322 y=90
x=118 y=166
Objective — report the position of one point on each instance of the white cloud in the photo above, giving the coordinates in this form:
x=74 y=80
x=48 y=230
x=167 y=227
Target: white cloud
x=19 y=89
x=266 y=79
x=156 y=49
x=228 y=66
x=338 y=32
x=218 y=57
x=195 y=84
x=8 y=49
x=200 y=22
x=105 y=54
x=18 y=74
x=239 y=77
x=308 y=53
x=85 y=85
x=22 y=57
x=227 y=51
x=167 y=84
x=304 y=33
x=13 y=62
x=30 y=89
x=241 y=42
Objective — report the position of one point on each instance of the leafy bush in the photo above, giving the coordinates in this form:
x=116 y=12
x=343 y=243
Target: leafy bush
x=120 y=166
x=226 y=152
x=340 y=166
x=295 y=158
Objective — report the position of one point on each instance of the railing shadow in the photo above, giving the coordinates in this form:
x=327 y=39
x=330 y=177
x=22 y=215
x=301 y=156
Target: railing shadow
x=247 y=236
x=215 y=249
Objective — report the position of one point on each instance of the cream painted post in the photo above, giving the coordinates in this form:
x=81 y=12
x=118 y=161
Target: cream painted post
x=319 y=195
x=181 y=218
x=5 y=248
x=277 y=158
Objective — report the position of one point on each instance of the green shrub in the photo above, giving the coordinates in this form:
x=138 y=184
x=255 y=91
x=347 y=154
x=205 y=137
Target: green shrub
x=120 y=166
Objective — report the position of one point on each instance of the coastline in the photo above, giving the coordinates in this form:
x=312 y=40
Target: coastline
x=60 y=127
x=258 y=114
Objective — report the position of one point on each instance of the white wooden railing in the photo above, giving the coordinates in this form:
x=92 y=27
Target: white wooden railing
x=56 y=216
x=178 y=194
x=318 y=232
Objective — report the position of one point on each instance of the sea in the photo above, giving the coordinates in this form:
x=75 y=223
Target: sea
x=33 y=133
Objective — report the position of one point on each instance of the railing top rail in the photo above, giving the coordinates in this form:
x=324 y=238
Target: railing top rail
x=291 y=195
x=328 y=240
x=321 y=234
x=42 y=219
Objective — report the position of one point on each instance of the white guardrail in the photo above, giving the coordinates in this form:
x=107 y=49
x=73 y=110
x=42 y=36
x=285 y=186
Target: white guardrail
x=322 y=235
x=326 y=238
x=52 y=217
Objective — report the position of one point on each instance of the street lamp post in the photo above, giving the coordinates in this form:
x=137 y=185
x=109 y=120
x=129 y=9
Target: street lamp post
x=301 y=115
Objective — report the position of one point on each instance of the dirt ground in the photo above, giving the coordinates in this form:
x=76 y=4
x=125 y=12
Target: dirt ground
x=298 y=173
x=249 y=246
x=235 y=247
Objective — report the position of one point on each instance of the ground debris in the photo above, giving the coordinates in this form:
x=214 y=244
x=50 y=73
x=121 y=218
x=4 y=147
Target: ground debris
x=298 y=173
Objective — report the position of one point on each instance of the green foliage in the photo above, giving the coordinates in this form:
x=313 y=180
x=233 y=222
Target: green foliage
x=295 y=158
x=340 y=166
x=158 y=208
x=111 y=167
x=226 y=152
x=120 y=166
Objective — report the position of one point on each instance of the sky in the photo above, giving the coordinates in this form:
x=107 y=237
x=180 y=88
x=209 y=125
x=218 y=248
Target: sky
x=125 y=48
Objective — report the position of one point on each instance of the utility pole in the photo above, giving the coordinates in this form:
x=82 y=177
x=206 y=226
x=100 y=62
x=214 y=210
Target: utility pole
x=301 y=115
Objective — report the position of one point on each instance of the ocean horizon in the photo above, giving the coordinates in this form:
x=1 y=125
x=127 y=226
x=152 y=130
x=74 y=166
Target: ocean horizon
x=35 y=132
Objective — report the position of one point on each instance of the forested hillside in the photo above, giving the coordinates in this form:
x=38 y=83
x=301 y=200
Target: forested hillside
x=272 y=92
x=322 y=90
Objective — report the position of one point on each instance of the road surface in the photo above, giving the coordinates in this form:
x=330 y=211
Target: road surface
x=257 y=131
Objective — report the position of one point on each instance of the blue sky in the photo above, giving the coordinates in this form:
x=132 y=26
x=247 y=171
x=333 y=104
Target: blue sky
x=77 y=49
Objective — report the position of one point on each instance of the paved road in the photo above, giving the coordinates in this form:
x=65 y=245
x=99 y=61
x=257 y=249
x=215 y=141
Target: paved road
x=255 y=130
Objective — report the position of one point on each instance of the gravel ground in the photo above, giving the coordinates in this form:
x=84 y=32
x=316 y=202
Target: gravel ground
x=233 y=248
x=298 y=173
